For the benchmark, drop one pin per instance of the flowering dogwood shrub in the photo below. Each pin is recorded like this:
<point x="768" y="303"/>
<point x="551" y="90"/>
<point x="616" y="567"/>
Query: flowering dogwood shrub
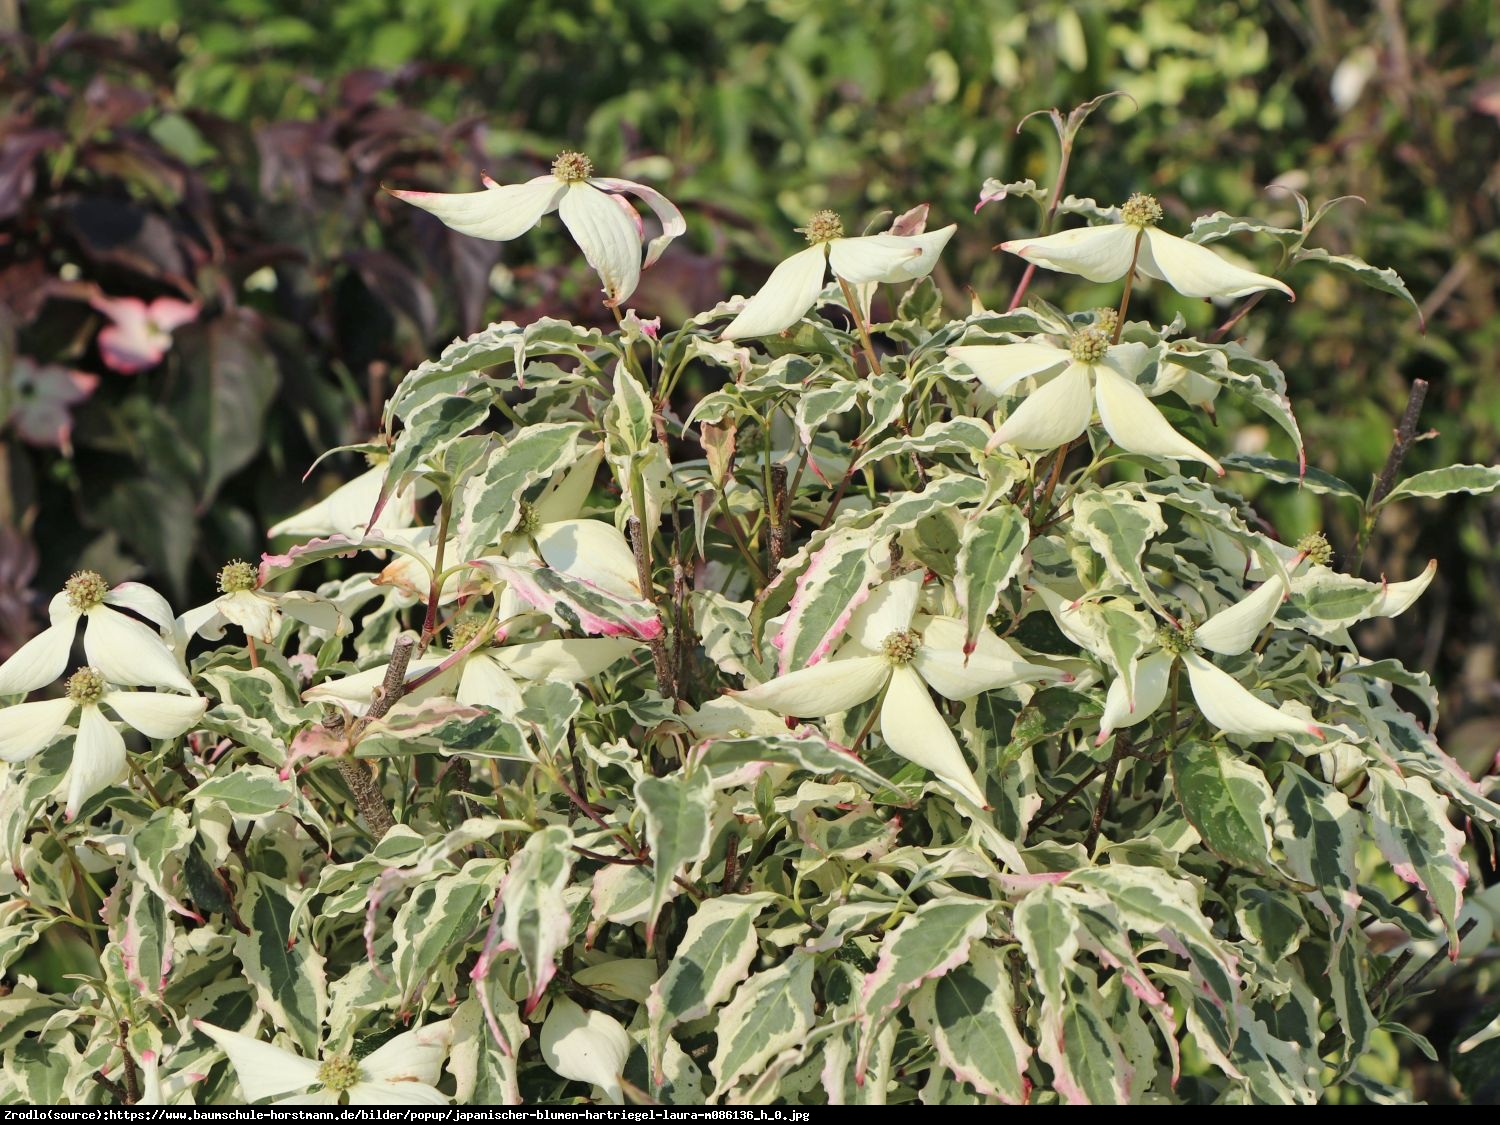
<point x="919" y="716"/>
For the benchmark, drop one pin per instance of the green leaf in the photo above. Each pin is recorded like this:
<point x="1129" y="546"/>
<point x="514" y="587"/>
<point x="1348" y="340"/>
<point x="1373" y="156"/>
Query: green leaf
<point x="1289" y="472"/>
<point x="222" y="407"/>
<point x="713" y="956"/>
<point x="250" y="791"/>
<point x="282" y="964"/>
<point x="927" y="944"/>
<point x="679" y="816"/>
<point x="769" y="1013"/>
<point x="817" y="406"/>
<point x="990" y="555"/>
<point x="837" y="580"/>
<point x="1319" y="836"/>
<point x="1095" y="1070"/>
<point x="537" y="920"/>
<point x="1384" y="280"/>
<point x="970" y="1014"/>
<point x="436" y="922"/>
<point x="429" y="430"/>
<point x="1228" y="801"/>
<point x="1119" y="528"/>
<point x="628" y="427"/>
<point x="490" y="508"/>
<point x="1411" y="826"/>
<point x="1211" y="228"/>
<point x="1477" y="480"/>
<point x="727" y="757"/>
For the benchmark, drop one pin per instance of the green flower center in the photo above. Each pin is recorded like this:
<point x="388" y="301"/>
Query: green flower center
<point x="86" y="686"/>
<point x="824" y="226"/>
<point x="85" y="590"/>
<point x="572" y="167"/>
<point x="901" y="647"/>
<point x="1141" y="210"/>
<point x="339" y="1073"/>
<point x="237" y="577"/>
<point x="1178" y="642"/>
<point x="1088" y="345"/>
<point x="1316" y="547"/>
<point x="462" y="632"/>
<point x="529" y="522"/>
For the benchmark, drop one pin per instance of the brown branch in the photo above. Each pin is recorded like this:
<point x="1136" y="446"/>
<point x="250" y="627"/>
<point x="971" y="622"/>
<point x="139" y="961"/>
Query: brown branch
<point x="776" y="502"/>
<point x="1406" y="434"/>
<point x="661" y="659"/>
<point x="363" y="786"/>
<point x="1121" y="747"/>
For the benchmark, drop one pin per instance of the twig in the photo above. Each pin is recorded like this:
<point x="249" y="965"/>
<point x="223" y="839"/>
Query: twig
<point x="363" y="787"/>
<point x="1406" y="434"/>
<point x="777" y="503"/>
<point x="1056" y="806"/>
<point x="660" y="658"/>
<point x="864" y="332"/>
<point x="1106" y="793"/>
<point x="1238" y="315"/>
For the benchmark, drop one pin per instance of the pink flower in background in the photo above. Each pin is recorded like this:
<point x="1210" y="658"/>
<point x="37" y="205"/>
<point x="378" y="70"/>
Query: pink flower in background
<point x="37" y="399"/>
<point x="141" y="333"/>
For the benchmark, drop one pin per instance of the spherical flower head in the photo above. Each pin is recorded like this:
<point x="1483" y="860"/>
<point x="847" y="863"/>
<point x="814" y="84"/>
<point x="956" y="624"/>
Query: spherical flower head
<point x="824" y="226"/>
<point x="1107" y="320"/>
<point x="460" y="633"/>
<point x="86" y="686"/>
<point x="572" y="167"/>
<point x="901" y="647"/>
<point x="237" y="577"/>
<point x="339" y="1073"/>
<point x="1316" y="548"/>
<point x="1141" y="210"/>
<point x="85" y="590"/>
<point x="1088" y="345"/>
<point x="1178" y="641"/>
<point x="529" y="522"/>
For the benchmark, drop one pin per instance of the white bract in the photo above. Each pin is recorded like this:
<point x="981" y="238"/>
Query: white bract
<point x="1137" y="694"/>
<point x="895" y="650"/>
<point x="99" y="760"/>
<point x="607" y="229"/>
<point x="487" y="674"/>
<point x="1071" y="382"/>
<point x="125" y="650"/>
<point x="402" y="1071"/>
<point x="586" y="1046"/>
<point x="794" y="285"/>
<point x="256" y="611"/>
<point x="1106" y="253"/>
<point x="346" y="510"/>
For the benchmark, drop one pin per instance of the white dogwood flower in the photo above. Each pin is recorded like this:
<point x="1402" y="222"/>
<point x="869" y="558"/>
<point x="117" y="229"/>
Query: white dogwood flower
<point x="1104" y="253"/>
<point x="607" y="229"/>
<point x="1223" y="700"/>
<point x="125" y="650"/>
<point x="794" y="285"/>
<point x="27" y="729"/>
<point x="403" y="1071"/>
<point x="892" y="649"/>
<point x="487" y="675"/>
<point x="256" y="611"/>
<point x="1072" y="381"/>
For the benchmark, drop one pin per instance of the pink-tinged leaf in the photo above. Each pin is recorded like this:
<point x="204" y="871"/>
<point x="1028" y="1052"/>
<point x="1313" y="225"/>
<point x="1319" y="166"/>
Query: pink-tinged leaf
<point x="314" y="741"/>
<point x="837" y="580"/>
<point x="1411" y="827"/>
<point x="579" y="605"/>
<point x="536" y="918"/>
<point x="910" y="222"/>
<point x="933" y="941"/>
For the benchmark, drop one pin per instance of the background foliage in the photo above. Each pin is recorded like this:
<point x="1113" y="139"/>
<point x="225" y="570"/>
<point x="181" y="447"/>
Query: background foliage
<point x="235" y="161"/>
